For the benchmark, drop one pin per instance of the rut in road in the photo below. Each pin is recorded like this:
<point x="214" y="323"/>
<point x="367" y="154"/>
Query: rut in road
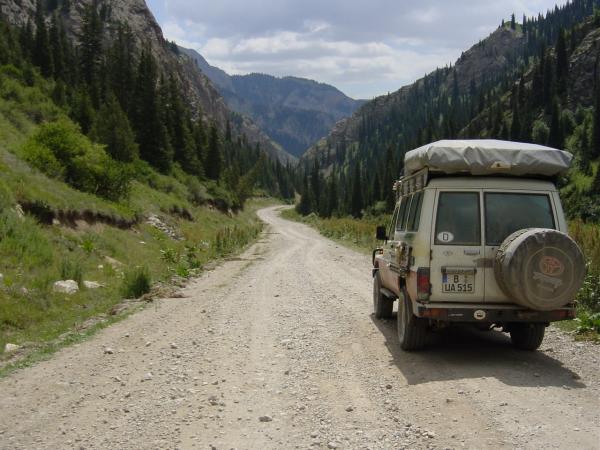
<point x="278" y="349"/>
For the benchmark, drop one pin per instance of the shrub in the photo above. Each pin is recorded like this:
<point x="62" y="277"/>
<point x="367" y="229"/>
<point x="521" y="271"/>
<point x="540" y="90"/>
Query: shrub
<point x="136" y="282"/>
<point x="59" y="150"/>
<point x="588" y="323"/>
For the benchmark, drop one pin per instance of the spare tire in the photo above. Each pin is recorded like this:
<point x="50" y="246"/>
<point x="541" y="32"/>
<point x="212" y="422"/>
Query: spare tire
<point x="539" y="268"/>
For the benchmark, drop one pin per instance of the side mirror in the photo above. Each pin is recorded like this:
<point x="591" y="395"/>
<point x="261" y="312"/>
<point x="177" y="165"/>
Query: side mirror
<point x="381" y="233"/>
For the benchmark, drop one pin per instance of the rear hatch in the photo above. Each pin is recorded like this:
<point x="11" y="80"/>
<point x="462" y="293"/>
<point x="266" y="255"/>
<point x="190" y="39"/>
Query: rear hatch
<point x="469" y="225"/>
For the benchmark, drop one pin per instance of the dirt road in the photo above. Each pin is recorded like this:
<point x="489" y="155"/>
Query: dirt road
<point x="278" y="349"/>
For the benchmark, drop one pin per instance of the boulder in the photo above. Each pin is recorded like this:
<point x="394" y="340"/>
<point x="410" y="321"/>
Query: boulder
<point x="66" y="287"/>
<point x="10" y="348"/>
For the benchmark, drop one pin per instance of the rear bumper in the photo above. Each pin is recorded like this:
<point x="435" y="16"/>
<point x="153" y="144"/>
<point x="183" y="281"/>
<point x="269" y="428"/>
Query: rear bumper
<point x="457" y="312"/>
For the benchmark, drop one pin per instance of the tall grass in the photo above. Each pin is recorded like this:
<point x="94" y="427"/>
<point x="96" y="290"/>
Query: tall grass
<point x="588" y="237"/>
<point x="136" y="282"/>
<point x="359" y="233"/>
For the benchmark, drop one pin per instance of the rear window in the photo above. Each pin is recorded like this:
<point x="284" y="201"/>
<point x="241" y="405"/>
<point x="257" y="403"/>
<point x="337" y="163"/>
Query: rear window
<point x="507" y="213"/>
<point x="458" y="219"/>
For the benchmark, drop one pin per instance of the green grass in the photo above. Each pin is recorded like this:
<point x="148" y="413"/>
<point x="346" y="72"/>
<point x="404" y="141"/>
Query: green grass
<point x="33" y="257"/>
<point x="359" y="234"/>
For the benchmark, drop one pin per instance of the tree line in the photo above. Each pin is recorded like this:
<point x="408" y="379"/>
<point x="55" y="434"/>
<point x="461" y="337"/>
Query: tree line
<point x="122" y="98"/>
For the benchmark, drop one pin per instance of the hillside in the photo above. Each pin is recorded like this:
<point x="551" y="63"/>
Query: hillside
<point x="532" y="71"/>
<point x="294" y="112"/>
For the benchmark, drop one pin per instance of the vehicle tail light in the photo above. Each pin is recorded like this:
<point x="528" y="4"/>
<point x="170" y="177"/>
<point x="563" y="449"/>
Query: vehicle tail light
<point x="423" y="284"/>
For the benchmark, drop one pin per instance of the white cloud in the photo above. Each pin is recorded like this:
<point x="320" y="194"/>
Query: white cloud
<point x="364" y="47"/>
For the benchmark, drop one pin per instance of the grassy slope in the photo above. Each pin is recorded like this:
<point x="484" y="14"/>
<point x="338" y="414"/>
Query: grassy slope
<point x="33" y="256"/>
<point x="359" y="235"/>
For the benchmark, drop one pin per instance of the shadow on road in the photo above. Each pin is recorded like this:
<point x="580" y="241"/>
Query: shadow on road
<point x="463" y="353"/>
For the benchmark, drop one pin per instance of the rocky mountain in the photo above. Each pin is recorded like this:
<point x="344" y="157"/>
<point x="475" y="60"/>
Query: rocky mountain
<point x="200" y="92"/>
<point x="295" y="112"/>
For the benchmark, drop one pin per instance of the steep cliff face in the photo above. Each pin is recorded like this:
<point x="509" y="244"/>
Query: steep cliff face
<point x="294" y="112"/>
<point x="479" y="64"/>
<point x="584" y="70"/>
<point x="200" y="92"/>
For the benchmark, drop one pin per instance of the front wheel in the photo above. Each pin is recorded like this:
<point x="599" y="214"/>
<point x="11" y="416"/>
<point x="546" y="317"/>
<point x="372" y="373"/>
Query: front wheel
<point x="527" y="336"/>
<point x="412" y="331"/>
<point x="382" y="305"/>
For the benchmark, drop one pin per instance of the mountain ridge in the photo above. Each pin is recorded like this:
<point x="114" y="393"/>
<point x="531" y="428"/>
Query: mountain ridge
<point x="294" y="111"/>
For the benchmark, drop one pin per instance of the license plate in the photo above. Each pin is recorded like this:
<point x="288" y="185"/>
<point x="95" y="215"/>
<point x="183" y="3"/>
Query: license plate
<point x="458" y="283"/>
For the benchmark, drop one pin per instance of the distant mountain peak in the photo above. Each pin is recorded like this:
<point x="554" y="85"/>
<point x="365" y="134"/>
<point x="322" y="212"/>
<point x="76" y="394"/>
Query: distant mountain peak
<point x="295" y="112"/>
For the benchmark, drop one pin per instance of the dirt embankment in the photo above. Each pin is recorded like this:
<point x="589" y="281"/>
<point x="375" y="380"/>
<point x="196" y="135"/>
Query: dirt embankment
<point x="278" y="349"/>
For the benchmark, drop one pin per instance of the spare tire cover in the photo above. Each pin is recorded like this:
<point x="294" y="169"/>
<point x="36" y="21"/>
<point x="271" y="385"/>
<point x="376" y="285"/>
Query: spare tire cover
<point x="539" y="268"/>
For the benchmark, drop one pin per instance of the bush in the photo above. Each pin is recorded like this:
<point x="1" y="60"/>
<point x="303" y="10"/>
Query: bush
<point x="136" y="283"/>
<point x="59" y="150"/>
<point x="588" y="323"/>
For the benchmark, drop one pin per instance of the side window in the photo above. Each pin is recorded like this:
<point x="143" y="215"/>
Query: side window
<point x="403" y="208"/>
<point x="392" y="226"/>
<point x="414" y="217"/>
<point x="458" y="219"/>
<point x="403" y="217"/>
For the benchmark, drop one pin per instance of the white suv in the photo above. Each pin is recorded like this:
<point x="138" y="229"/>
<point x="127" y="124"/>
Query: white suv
<point x="481" y="242"/>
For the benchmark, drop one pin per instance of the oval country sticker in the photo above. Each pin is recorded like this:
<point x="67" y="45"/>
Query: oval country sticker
<point x="551" y="266"/>
<point x="445" y="237"/>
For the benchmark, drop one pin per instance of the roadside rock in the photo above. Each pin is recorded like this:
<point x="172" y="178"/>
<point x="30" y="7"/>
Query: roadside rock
<point x="66" y="287"/>
<point x="11" y="348"/>
<point x="92" y="285"/>
<point x="265" y="419"/>
<point x="157" y="223"/>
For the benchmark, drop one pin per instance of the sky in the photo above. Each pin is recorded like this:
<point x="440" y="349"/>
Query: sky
<point x="363" y="47"/>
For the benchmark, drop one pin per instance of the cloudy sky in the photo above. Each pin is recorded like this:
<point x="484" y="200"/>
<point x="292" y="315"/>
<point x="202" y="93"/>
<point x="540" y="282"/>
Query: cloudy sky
<point x="363" y="47"/>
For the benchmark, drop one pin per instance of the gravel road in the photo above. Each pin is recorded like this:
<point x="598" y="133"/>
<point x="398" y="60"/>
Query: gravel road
<point x="278" y="349"/>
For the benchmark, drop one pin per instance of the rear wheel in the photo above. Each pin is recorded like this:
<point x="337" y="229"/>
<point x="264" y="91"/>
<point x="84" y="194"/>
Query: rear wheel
<point x="412" y="331"/>
<point x="382" y="305"/>
<point x="527" y="336"/>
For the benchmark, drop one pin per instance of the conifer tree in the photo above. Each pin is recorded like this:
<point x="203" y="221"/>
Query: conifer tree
<point x="332" y="197"/>
<point x="150" y="129"/>
<point x="562" y="63"/>
<point x="304" y="206"/>
<point x="56" y="49"/>
<point x="42" y="55"/>
<point x="90" y="48"/>
<point x="556" y="138"/>
<point x="513" y="23"/>
<point x="214" y="162"/>
<point x="595" y="144"/>
<point x="112" y="129"/>
<point x="356" y="201"/>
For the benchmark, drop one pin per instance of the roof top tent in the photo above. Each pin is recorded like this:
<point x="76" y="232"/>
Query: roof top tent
<point x="487" y="157"/>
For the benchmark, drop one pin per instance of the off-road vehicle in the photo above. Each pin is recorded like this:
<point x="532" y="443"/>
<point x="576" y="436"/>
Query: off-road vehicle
<point x="478" y="236"/>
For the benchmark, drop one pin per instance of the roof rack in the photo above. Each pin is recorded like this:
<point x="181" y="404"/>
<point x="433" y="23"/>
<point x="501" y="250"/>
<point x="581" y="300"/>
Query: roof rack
<point x="412" y="183"/>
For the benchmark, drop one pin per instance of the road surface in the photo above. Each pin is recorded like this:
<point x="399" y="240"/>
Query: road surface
<point x="278" y="349"/>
